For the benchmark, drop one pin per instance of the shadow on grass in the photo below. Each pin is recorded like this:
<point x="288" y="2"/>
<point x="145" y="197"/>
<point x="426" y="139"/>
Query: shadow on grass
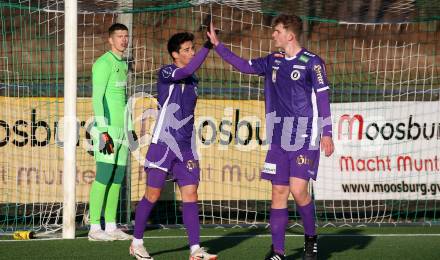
<point x="343" y="240"/>
<point x="219" y="244"/>
<point x="328" y="243"/>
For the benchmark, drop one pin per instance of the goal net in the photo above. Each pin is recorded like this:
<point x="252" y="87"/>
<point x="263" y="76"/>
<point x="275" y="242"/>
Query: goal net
<point x="382" y="60"/>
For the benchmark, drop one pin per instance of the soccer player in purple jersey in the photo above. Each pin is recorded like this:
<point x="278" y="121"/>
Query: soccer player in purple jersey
<point x="172" y="149"/>
<point x="297" y="122"/>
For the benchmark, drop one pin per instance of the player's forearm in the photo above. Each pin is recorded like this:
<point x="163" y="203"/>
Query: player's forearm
<point x="324" y="113"/>
<point x="194" y="64"/>
<point x="100" y="76"/>
<point x="238" y="63"/>
<point x="129" y="120"/>
<point x="98" y="108"/>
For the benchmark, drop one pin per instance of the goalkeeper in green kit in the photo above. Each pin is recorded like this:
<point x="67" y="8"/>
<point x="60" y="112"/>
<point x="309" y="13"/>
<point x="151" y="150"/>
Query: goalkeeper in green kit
<point x="112" y="134"/>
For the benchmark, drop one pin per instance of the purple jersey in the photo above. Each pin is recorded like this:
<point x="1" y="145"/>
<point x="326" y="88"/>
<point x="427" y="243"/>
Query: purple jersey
<point x="296" y="92"/>
<point x="177" y="97"/>
<point x="290" y="88"/>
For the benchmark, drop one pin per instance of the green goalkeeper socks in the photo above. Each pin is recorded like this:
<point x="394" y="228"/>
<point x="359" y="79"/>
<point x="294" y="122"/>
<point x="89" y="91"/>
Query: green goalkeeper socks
<point x="113" y="194"/>
<point x="108" y="179"/>
<point x="97" y="195"/>
<point x="112" y="203"/>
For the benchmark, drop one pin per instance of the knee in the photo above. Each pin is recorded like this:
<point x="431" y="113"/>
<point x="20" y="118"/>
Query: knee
<point x="189" y="196"/>
<point x="119" y="174"/>
<point x="152" y="194"/>
<point x="279" y="197"/>
<point x="301" y="197"/>
<point x="278" y="193"/>
<point x="104" y="172"/>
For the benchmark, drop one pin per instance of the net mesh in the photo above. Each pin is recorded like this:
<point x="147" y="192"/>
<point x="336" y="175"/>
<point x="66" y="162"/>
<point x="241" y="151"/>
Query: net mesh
<point x="381" y="60"/>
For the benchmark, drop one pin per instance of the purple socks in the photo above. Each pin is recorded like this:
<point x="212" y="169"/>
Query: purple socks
<point x="278" y="223"/>
<point x="143" y="211"/>
<point x="191" y="222"/>
<point x="307" y="213"/>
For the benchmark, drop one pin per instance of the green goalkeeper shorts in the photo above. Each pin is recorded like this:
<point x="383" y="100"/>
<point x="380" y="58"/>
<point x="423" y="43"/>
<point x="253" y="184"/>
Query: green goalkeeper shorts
<point x="120" y="147"/>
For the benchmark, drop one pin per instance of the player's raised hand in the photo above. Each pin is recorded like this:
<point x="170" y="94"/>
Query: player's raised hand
<point x="208" y="44"/>
<point x="327" y="145"/>
<point x="212" y="35"/>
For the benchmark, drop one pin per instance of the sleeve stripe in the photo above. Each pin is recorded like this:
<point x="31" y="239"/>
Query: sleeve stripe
<point x="322" y="89"/>
<point x="159" y="123"/>
<point x="314" y="137"/>
<point x="174" y="72"/>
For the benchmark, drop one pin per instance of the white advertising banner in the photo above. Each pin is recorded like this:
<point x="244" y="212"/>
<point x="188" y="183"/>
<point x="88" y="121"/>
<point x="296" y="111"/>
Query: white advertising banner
<point x="384" y="150"/>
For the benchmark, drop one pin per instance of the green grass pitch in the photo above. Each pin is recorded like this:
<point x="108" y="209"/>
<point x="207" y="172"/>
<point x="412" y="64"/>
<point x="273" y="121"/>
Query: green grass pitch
<point x="243" y="243"/>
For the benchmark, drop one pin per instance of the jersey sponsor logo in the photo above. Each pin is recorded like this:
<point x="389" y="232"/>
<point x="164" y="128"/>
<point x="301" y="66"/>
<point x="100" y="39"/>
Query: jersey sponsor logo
<point x="269" y="168"/>
<point x="318" y="71"/>
<point x="274" y="73"/>
<point x="277" y="62"/>
<point x="309" y="54"/>
<point x="120" y="84"/>
<point x="301" y="67"/>
<point x="304" y="58"/>
<point x="167" y="72"/>
<point x="295" y="75"/>
<point x="303" y="160"/>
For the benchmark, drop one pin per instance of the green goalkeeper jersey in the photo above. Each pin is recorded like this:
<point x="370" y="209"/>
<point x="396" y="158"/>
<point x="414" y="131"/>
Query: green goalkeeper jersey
<point x="109" y="75"/>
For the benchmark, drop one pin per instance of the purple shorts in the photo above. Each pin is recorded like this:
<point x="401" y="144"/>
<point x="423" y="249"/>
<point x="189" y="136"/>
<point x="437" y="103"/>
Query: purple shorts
<point x="280" y="165"/>
<point x="162" y="162"/>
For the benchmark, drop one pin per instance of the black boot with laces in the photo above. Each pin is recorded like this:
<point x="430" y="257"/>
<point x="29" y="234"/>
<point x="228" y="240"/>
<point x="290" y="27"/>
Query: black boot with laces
<point x="310" y="247"/>
<point x="272" y="255"/>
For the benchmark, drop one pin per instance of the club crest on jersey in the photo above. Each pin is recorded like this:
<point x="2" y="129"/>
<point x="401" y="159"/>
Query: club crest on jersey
<point x="166" y="72"/>
<point x="192" y="164"/>
<point x="295" y="75"/>
<point x="274" y="73"/>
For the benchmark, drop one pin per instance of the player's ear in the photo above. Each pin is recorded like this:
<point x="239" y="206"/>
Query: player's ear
<point x="175" y="55"/>
<point x="292" y="36"/>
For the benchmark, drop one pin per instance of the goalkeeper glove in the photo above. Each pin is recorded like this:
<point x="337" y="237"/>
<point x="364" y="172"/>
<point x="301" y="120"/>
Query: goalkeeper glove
<point x="105" y="143"/>
<point x="133" y="142"/>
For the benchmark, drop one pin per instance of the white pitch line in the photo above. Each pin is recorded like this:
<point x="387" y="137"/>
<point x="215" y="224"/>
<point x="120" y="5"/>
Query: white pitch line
<point x="251" y="236"/>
